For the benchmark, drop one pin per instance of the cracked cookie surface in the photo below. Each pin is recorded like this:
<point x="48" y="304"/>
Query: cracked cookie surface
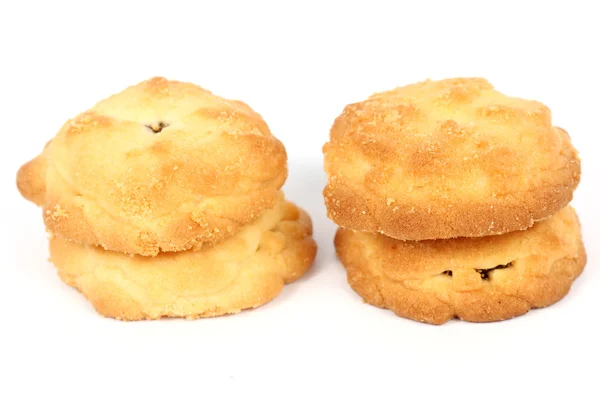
<point x="161" y="166"/>
<point x="474" y="279"/>
<point x="244" y="271"/>
<point x="444" y="159"/>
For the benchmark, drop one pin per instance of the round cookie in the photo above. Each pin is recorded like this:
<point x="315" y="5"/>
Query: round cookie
<point x="482" y="279"/>
<point x="161" y="166"/>
<point x="244" y="271"/>
<point x="445" y="159"/>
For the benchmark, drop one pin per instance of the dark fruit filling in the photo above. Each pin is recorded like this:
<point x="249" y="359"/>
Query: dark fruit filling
<point x="156" y="128"/>
<point x="485" y="273"/>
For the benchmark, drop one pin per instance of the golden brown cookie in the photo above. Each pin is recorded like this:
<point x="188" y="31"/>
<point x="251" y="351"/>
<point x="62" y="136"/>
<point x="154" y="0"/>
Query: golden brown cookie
<point x="244" y="271"/>
<point x="481" y="279"/>
<point x="161" y="166"/>
<point x="444" y="159"/>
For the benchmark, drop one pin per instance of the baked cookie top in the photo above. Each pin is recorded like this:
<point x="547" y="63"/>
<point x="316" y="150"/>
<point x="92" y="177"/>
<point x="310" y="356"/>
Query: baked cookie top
<point x="447" y="158"/>
<point x="161" y="166"/>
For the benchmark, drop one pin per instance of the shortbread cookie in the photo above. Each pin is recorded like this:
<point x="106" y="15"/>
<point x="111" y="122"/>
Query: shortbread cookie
<point x="444" y="159"/>
<point x="475" y="279"/>
<point x="161" y="166"/>
<point x="244" y="271"/>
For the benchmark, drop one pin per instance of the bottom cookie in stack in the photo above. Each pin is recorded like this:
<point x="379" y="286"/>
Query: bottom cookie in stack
<point x="245" y="271"/>
<point x="480" y="279"/>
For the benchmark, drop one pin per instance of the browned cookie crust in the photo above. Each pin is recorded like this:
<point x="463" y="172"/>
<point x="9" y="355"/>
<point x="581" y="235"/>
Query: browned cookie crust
<point x="483" y="279"/>
<point x="161" y="166"/>
<point x="244" y="271"/>
<point x="444" y="159"/>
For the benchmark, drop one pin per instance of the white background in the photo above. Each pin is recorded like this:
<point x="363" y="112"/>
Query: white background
<point x="298" y="65"/>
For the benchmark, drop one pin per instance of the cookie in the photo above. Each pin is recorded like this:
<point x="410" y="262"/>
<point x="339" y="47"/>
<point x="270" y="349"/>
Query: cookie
<point x="244" y="271"/>
<point x="161" y="166"/>
<point x="30" y="179"/>
<point x="444" y="159"/>
<point x="481" y="279"/>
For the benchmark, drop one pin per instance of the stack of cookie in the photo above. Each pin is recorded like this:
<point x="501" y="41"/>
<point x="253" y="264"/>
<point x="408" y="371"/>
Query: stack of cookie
<point x="453" y="202"/>
<point x="164" y="201"/>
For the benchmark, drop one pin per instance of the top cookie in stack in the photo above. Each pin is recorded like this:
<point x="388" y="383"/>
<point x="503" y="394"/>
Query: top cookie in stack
<point x="453" y="202"/>
<point x="160" y="166"/>
<point x="444" y="159"/>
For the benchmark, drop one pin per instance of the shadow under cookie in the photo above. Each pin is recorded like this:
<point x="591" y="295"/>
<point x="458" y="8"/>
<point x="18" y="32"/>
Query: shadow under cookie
<point x="474" y="279"/>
